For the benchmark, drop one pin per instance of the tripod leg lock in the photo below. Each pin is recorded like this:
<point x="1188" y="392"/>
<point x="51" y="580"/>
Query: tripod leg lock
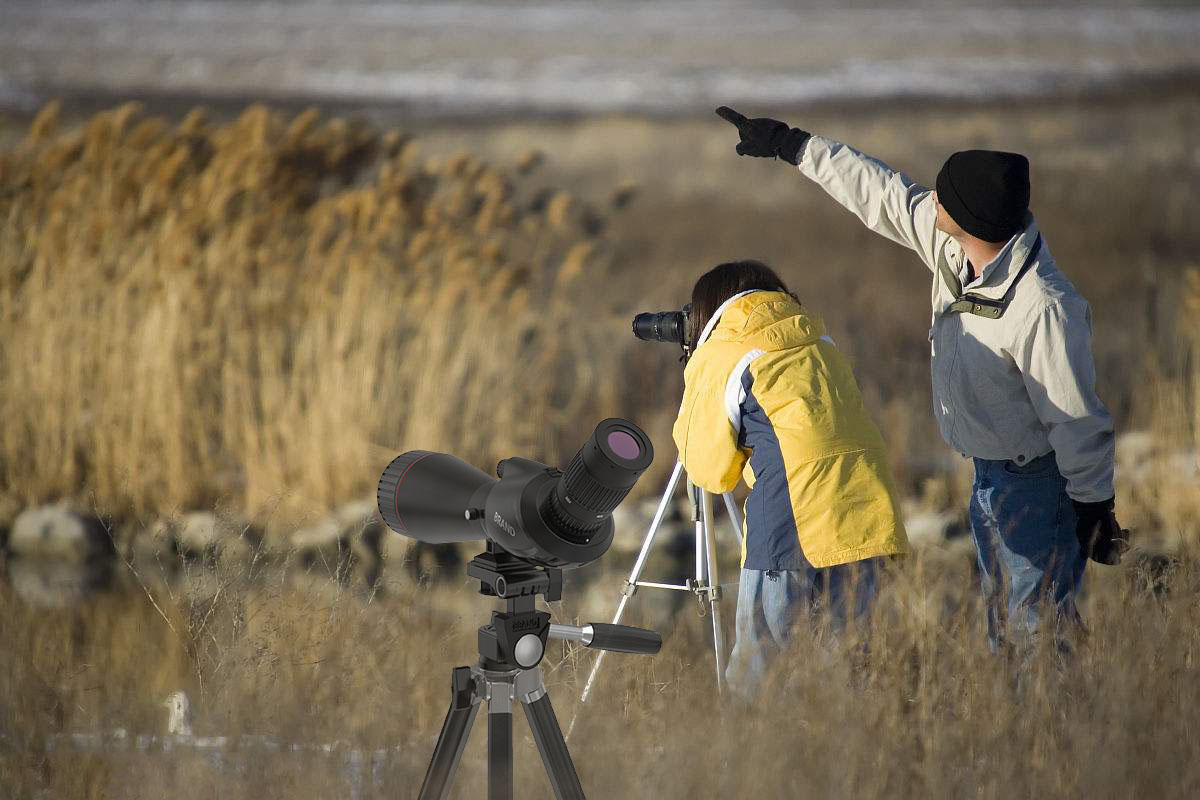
<point x="462" y="689"/>
<point x="704" y="593"/>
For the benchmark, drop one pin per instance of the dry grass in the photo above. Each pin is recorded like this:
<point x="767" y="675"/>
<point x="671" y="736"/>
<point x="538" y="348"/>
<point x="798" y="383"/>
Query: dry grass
<point x="258" y="313"/>
<point x="929" y="713"/>
<point x="237" y="313"/>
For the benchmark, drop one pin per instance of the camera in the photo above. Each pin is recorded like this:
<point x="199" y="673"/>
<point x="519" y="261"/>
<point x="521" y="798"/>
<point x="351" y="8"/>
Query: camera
<point x="663" y="326"/>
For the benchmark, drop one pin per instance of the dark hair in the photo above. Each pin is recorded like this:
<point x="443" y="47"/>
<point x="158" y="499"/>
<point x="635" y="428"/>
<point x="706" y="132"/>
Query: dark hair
<point x="724" y="281"/>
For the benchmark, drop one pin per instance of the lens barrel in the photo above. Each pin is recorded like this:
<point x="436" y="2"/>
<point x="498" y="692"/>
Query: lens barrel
<point x="660" y="326"/>
<point x="598" y="478"/>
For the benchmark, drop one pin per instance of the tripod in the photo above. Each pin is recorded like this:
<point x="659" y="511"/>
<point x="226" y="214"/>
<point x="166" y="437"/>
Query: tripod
<point x="704" y="585"/>
<point x="509" y="650"/>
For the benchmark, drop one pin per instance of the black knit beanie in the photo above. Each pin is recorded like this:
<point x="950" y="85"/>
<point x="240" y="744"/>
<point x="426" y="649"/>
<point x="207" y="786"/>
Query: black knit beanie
<point x="986" y="192"/>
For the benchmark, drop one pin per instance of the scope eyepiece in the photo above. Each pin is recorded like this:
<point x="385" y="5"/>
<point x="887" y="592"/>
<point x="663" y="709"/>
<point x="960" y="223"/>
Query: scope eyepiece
<point x="598" y="478"/>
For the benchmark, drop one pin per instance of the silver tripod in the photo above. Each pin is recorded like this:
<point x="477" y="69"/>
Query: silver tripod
<point x="704" y="585"/>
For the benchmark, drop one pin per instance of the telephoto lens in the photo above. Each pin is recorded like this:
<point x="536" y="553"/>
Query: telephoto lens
<point x="662" y="326"/>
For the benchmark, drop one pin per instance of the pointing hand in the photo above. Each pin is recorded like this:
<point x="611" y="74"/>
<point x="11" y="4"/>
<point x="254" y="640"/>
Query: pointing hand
<point x="765" y="137"/>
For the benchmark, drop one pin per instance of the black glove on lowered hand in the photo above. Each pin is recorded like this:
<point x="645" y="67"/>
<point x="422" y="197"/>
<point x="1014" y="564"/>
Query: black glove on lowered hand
<point x="1100" y="537"/>
<point x="765" y="137"/>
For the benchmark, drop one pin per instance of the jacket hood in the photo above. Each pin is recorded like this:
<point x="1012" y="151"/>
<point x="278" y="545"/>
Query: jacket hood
<point x="767" y="320"/>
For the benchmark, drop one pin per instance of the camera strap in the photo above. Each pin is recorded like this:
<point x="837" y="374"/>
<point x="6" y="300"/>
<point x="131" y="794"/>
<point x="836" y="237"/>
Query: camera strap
<point x="984" y="306"/>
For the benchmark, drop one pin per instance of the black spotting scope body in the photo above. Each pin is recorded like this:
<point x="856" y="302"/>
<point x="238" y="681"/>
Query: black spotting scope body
<point x="534" y="511"/>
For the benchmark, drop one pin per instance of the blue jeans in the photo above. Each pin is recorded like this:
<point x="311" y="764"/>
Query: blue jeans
<point x="771" y="602"/>
<point x="1024" y="528"/>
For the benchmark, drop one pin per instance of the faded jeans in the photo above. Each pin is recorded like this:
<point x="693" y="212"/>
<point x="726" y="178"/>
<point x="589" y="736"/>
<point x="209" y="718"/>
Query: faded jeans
<point x="771" y="602"/>
<point x="1024" y="528"/>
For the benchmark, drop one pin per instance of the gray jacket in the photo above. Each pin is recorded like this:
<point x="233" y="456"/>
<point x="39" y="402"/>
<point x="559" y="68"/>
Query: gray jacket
<point x="1011" y="388"/>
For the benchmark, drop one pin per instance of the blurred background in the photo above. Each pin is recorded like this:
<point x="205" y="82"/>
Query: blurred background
<point x="251" y="251"/>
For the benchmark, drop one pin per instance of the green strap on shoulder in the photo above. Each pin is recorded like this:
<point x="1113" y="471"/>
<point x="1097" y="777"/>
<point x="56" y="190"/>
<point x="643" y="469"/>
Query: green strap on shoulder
<point x="952" y="281"/>
<point x="983" y="306"/>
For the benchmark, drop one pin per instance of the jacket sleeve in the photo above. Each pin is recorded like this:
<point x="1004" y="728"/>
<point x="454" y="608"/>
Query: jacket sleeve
<point x="703" y="432"/>
<point x="887" y="202"/>
<point x="1055" y="359"/>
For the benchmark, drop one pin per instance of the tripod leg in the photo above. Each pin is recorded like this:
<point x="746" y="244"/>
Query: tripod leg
<point x="552" y="746"/>
<point x="634" y="575"/>
<point x="735" y="517"/>
<point x="464" y="703"/>
<point x="700" y="500"/>
<point x="500" y="754"/>
<point x="659" y="513"/>
<point x="710" y="551"/>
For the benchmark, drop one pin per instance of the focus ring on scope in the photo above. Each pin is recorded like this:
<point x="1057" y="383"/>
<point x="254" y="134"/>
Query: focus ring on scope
<point x="568" y="528"/>
<point x="390" y="481"/>
<point x="596" y="498"/>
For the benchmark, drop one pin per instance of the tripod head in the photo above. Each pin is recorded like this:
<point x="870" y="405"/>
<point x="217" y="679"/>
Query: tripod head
<point x="516" y="637"/>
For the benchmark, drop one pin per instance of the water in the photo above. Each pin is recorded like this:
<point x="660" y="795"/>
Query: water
<point x="484" y="58"/>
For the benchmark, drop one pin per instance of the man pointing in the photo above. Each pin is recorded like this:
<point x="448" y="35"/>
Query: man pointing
<point x="1013" y="377"/>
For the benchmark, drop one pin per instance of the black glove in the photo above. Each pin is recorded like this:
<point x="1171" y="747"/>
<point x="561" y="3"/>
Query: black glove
<point x="1100" y="537"/>
<point x="766" y="137"/>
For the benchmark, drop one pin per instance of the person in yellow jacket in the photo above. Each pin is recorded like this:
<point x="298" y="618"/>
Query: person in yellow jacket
<point x="767" y="395"/>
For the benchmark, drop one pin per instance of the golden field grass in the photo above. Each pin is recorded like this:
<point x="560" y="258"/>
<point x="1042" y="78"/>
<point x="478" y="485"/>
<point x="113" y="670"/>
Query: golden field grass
<point x="929" y="713"/>
<point x="267" y="300"/>
<point x="257" y="313"/>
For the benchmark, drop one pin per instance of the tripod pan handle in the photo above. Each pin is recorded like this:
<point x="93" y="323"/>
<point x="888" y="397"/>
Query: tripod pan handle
<point x="624" y="638"/>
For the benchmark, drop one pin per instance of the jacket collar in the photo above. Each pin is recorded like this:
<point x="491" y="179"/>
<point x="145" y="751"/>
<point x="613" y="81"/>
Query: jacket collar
<point x="716" y="317"/>
<point x="998" y="275"/>
<point x="773" y="320"/>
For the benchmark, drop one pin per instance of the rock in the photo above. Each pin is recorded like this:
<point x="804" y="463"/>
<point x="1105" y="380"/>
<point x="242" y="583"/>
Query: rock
<point x="1184" y="466"/>
<point x="1141" y="457"/>
<point x="350" y="538"/>
<point x="1132" y="446"/>
<point x="10" y="508"/>
<point x="437" y="561"/>
<point x="179" y="715"/>
<point x="204" y="535"/>
<point x="55" y="532"/>
<point x="1135" y="454"/>
<point x="394" y="547"/>
<point x="155" y="543"/>
<point x="50" y="583"/>
<point x="357" y="513"/>
<point x="364" y="528"/>
<point x="322" y="545"/>
<point x="931" y="527"/>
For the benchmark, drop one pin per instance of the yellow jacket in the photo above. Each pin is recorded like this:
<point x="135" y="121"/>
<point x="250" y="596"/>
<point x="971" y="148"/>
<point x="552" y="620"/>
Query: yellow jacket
<point x="769" y="394"/>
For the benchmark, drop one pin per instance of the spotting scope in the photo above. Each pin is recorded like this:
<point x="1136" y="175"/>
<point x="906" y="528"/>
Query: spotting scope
<point x="536" y="512"/>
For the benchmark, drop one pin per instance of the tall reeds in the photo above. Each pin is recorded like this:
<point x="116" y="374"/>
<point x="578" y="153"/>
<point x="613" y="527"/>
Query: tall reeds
<point x="260" y="313"/>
